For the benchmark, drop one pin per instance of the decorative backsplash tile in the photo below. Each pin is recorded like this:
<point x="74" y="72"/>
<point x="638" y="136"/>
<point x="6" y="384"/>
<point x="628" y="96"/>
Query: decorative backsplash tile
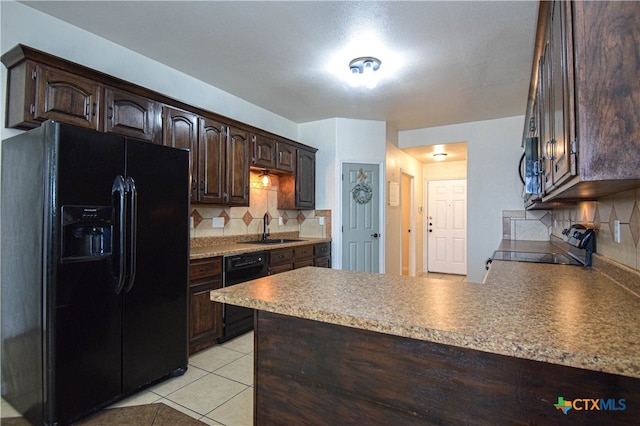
<point x="526" y="225"/>
<point x="600" y="215"/>
<point x="242" y="221"/>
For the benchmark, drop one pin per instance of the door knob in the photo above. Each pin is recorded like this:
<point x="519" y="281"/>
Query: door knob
<point x="376" y="235"/>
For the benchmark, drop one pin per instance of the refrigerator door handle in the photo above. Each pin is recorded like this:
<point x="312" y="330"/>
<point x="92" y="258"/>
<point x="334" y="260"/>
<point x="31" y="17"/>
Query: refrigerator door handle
<point x="120" y="208"/>
<point x="130" y="185"/>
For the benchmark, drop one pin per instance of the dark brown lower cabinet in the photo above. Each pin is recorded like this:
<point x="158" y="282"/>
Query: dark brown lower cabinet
<point x="314" y="373"/>
<point x="205" y="316"/>
<point x="289" y="258"/>
<point x="322" y="255"/>
<point x="280" y="260"/>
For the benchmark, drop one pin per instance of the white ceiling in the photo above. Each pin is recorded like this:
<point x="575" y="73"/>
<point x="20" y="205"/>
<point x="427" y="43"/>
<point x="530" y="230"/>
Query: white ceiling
<point x="456" y="61"/>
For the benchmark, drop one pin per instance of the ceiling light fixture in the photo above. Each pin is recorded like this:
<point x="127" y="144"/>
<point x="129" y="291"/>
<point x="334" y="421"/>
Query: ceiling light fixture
<point x="439" y="156"/>
<point x="363" y="71"/>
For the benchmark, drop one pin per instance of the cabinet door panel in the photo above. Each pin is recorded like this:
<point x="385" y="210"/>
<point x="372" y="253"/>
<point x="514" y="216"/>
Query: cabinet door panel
<point x="306" y="180"/>
<point x="562" y="92"/>
<point x="129" y="115"/>
<point x="237" y="167"/>
<point x="211" y="155"/>
<point x="205" y="316"/>
<point x="286" y="159"/>
<point x="67" y="98"/>
<point x="179" y="130"/>
<point x="264" y="152"/>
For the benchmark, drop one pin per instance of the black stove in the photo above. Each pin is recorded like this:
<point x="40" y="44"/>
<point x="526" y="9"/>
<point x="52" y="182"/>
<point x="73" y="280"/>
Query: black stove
<point x="581" y="242"/>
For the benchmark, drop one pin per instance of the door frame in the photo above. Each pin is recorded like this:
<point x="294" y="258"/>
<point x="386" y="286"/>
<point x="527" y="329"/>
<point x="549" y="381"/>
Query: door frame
<point x="412" y="222"/>
<point x="381" y="214"/>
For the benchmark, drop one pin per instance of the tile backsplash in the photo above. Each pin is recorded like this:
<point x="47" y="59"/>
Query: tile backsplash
<point x="601" y="214"/>
<point x="219" y="221"/>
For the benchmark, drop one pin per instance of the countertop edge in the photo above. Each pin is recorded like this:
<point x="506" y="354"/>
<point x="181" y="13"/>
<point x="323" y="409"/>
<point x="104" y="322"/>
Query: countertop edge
<point x="479" y="342"/>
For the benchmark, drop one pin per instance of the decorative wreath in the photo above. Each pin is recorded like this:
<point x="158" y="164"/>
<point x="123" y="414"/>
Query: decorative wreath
<point x="362" y="193"/>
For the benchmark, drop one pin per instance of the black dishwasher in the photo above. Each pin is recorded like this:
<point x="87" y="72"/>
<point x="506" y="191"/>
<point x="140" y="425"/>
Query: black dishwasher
<point x="239" y="268"/>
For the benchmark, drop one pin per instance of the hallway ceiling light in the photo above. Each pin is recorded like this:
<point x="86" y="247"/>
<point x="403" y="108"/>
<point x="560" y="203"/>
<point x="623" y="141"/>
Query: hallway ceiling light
<point x="439" y="156"/>
<point x="363" y="71"/>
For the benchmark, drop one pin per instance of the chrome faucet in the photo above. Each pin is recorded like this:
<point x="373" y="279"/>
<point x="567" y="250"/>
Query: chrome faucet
<point x="265" y="223"/>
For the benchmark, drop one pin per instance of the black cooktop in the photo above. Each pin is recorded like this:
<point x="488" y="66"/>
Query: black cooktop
<point x="520" y="256"/>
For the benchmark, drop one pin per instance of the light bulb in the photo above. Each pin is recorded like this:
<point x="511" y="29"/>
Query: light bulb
<point x="354" y="78"/>
<point x="265" y="180"/>
<point x="367" y="75"/>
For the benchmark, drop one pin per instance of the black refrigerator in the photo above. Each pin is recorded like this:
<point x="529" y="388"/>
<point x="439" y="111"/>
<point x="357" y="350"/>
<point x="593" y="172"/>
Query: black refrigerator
<point x="94" y="268"/>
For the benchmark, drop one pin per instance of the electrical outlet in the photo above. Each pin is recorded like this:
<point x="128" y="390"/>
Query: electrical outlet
<point x="280" y="221"/>
<point x="616" y="232"/>
<point x="321" y="220"/>
<point x="217" y="222"/>
<point x="191" y="222"/>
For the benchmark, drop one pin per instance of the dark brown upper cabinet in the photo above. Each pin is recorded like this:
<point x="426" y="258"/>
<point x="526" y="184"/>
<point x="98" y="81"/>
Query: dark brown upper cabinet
<point x="180" y="130"/>
<point x="298" y="191"/>
<point x="285" y="157"/>
<point x="38" y="92"/>
<point x="273" y="154"/>
<point x="238" y="155"/>
<point x="264" y="151"/>
<point x="41" y="86"/>
<point x="212" y="149"/>
<point x="219" y="156"/>
<point x="584" y="97"/>
<point x="131" y="115"/>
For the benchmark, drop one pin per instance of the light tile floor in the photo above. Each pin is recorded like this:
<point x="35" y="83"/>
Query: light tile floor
<point x="217" y="388"/>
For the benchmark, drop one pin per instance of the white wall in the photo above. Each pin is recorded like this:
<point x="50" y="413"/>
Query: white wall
<point x="23" y="25"/>
<point x="341" y="140"/>
<point x="397" y="162"/>
<point x="493" y="184"/>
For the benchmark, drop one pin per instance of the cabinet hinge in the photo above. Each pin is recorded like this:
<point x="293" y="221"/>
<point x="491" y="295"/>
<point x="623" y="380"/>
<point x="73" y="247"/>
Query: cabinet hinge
<point x="574" y="147"/>
<point x="34" y="74"/>
<point x="32" y="109"/>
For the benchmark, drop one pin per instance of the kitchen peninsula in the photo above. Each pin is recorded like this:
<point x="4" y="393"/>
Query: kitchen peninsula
<point x="344" y="347"/>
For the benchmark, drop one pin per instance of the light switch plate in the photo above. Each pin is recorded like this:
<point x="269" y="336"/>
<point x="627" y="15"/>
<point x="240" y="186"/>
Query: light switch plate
<point x="217" y="222"/>
<point x="616" y="232"/>
<point x="321" y="220"/>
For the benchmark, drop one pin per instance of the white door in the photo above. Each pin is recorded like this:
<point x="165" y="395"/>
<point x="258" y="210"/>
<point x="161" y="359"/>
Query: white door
<point x="447" y="226"/>
<point x="360" y="217"/>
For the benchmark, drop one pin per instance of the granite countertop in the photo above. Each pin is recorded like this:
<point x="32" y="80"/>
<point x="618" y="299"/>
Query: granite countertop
<point x="560" y="314"/>
<point x="232" y="247"/>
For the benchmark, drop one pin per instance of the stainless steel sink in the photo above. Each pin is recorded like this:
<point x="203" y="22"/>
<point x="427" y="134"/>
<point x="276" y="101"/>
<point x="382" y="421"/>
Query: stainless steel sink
<point x="271" y="241"/>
